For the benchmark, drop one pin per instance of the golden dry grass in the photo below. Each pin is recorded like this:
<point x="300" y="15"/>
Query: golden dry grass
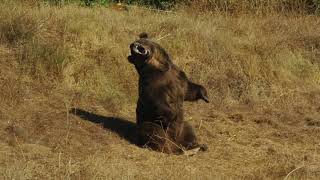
<point x="258" y="7"/>
<point x="68" y="94"/>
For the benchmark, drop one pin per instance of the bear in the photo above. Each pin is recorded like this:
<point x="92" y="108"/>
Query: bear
<point x="163" y="88"/>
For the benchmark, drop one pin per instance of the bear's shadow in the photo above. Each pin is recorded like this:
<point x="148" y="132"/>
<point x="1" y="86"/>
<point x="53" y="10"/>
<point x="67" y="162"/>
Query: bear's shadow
<point x="122" y="127"/>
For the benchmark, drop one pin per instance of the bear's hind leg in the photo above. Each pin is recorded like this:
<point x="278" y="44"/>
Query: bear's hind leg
<point x="157" y="138"/>
<point x="188" y="139"/>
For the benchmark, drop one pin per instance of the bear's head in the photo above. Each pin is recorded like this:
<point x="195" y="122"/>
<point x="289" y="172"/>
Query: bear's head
<point x="148" y="55"/>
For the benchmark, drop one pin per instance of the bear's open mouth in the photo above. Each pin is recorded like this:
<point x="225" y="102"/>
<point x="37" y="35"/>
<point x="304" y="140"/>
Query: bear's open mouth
<point x="139" y="54"/>
<point x="141" y="49"/>
<point x="138" y="49"/>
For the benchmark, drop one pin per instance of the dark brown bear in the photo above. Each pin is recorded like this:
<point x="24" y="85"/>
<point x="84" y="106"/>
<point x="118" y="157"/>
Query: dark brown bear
<point x="162" y="89"/>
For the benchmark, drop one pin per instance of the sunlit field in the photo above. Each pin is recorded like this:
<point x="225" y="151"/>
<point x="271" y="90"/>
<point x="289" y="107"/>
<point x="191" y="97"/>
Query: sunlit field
<point x="68" y="93"/>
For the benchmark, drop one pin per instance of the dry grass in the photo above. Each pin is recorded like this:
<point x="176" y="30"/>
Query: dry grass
<point x="262" y="74"/>
<point x="258" y="7"/>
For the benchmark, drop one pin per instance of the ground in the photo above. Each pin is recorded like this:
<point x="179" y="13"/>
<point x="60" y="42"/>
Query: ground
<point x="68" y="94"/>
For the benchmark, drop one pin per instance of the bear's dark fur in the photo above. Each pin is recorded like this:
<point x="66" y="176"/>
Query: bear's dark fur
<point x="162" y="89"/>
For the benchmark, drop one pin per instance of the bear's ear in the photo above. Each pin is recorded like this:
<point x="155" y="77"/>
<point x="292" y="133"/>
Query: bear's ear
<point x="143" y="35"/>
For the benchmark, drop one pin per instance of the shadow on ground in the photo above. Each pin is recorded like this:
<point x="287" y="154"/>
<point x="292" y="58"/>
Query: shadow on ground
<point x="122" y="127"/>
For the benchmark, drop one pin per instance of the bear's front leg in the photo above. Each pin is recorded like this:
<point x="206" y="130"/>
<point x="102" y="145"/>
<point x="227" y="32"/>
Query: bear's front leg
<point x="195" y="92"/>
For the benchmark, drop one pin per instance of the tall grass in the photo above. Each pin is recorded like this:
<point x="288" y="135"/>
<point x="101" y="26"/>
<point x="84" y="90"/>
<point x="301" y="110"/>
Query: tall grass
<point x="241" y="60"/>
<point x="259" y="6"/>
<point x="225" y="6"/>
